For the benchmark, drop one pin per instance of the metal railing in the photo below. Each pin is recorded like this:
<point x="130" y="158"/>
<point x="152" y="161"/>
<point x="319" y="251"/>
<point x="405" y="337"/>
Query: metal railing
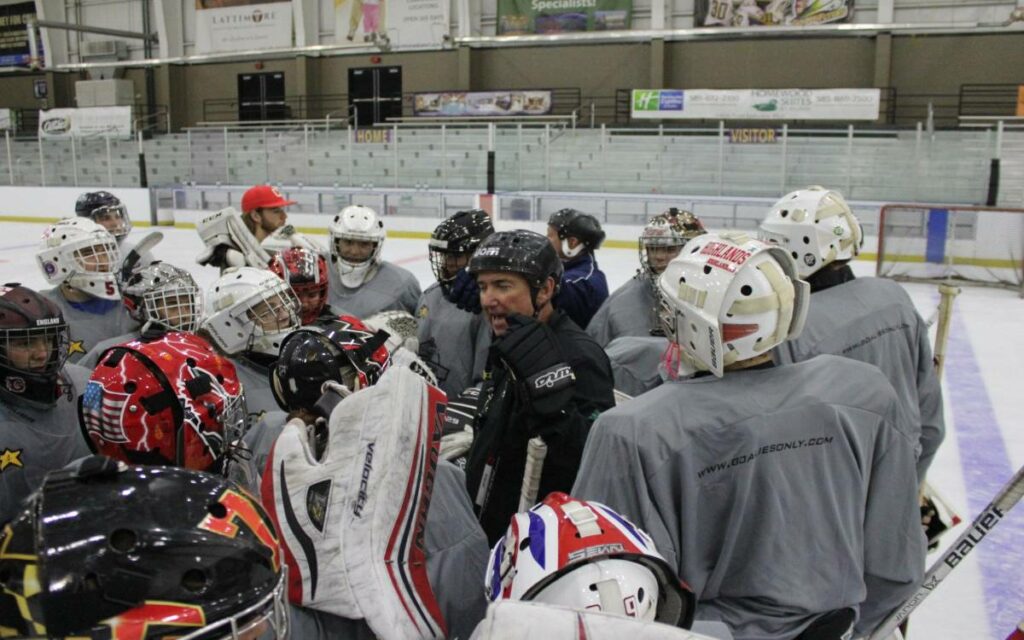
<point x="865" y="163"/>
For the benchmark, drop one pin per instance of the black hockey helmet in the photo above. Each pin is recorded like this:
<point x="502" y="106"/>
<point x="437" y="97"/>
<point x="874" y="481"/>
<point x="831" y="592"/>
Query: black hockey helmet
<point x="106" y="209"/>
<point x="33" y="345"/>
<point x="524" y="252"/>
<point x="576" y="224"/>
<point x="344" y="351"/>
<point x="460" y="233"/>
<point x="106" y="550"/>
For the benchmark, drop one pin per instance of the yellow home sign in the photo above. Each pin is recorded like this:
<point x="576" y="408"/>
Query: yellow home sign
<point x="752" y="136"/>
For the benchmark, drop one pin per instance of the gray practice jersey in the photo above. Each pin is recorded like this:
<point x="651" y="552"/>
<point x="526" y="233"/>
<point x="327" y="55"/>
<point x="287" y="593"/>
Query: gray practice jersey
<point x="89" y="329"/>
<point x="255" y="381"/>
<point x="637" y="363"/>
<point x="452" y="341"/>
<point x="631" y="310"/>
<point x="779" y="494"/>
<point x="873" y="320"/>
<point x="90" y="359"/>
<point x="392" y="288"/>
<point x="35" y="441"/>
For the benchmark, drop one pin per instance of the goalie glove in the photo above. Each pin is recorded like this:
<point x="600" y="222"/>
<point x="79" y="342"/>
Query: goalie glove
<point x="226" y="229"/>
<point x="529" y="350"/>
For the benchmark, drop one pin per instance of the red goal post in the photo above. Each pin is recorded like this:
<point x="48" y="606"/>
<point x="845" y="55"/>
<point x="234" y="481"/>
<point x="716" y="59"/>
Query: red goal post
<point x="943" y="242"/>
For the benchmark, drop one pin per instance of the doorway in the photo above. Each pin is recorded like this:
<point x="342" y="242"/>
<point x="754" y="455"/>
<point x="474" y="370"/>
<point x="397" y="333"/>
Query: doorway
<point x="261" y="97"/>
<point x="376" y="94"/>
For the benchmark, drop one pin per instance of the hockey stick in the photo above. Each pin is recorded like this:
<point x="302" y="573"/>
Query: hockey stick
<point x="1005" y="500"/>
<point x="948" y="293"/>
<point x="536" y="451"/>
<point x="131" y="260"/>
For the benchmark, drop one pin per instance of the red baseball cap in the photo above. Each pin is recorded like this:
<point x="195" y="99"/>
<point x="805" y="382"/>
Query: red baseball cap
<point x="263" y="196"/>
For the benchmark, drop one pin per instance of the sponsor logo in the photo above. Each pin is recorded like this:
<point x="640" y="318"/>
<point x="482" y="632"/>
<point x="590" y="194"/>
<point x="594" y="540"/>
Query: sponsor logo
<point x="809" y="259"/>
<point x="46" y="322"/>
<point x="645" y="100"/>
<point x="317" y="500"/>
<point x="714" y="351"/>
<point x="61" y="124"/>
<point x="597" y="550"/>
<point x="49" y="268"/>
<point x="985" y="523"/>
<point x="725" y="256"/>
<point x="10" y="457"/>
<point x="364" y="482"/>
<point x="15" y="384"/>
<point x="488" y="251"/>
<point x="551" y="378"/>
<point x="837" y="230"/>
<point x="670" y="101"/>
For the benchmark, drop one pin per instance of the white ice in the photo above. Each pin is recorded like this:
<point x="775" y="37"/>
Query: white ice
<point x="992" y="322"/>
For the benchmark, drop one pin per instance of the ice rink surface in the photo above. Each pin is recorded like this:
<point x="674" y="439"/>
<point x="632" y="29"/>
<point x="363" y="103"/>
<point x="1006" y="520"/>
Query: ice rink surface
<point x="984" y="403"/>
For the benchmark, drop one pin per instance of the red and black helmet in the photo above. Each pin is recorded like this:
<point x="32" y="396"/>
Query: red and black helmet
<point x="305" y="271"/>
<point x="104" y="550"/>
<point x="33" y="346"/>
<point x="169" y="401"/>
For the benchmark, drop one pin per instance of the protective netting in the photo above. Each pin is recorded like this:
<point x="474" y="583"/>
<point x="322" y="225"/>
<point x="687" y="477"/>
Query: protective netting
<point x="973" y="245"/>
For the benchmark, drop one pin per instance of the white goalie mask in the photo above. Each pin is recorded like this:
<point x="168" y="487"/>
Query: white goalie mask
<point x="82" y="254"/>
<point x="249" y="309"/>
<point x="361" y="224"/>
<point x="815" y="226"/>
<point x="730" y="298"/>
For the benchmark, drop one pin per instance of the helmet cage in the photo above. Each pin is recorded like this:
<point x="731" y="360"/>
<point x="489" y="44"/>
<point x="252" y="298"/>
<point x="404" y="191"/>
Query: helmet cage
<point x="269" y="614"/>
<point x="164" y="296"/>
<point x="256" y="322"/>
<point x="673" y="228"/>
<point x="88" y="263"/>
<point x="120" y="212"/>
<point x="305" y="271"/>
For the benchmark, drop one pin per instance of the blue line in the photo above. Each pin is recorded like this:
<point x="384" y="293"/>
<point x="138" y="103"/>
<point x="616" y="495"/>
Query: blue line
<point x="986" y="467"/>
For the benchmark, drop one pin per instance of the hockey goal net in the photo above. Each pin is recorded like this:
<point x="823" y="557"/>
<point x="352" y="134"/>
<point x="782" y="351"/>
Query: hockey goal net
<point x="982" y="245"/>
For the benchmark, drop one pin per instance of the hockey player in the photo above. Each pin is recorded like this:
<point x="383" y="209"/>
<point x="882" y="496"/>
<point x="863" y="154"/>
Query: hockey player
<point x="454" y="341"/>
<point x="868" y="319"/>
<point x="169" y="401"/>
<point x="80" y="257"/>
<point x="249" y="312"/>
<point x="814" y="454"/>
<point x="362" y="283"/>
<point x="575" y="237"/>
<point x="105" y="550"/>
<point x="544" y="377"/>
<point x="161" y="298"/>
<point x="342" y="495"/>
<point x="263" y="210"/>
<point x="632" y="310"/>
<point x="38" y="428"/>
<point x="306" y="273"/>
<point x="106" y="210"/>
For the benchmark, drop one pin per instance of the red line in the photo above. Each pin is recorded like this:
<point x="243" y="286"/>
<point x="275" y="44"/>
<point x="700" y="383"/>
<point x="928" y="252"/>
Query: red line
<point x="410" y="259"/>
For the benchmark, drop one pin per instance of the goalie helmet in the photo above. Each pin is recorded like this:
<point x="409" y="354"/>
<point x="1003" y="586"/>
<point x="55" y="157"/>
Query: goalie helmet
<point x="570" y="223"/>
<point x="584" y="555"/>
<point x="360" y="224"/>
<point x="524" y="252"/>
<point x="82" y="254"/>
<point x="107" y="210"/>
<point x="815" y="226"/>
<point x="344" y="351"/>
<point x="664" y="236"/>
<point x="105" y="550"/>
<point x="33" y="346"/>
<point x="454" y="241"/>
<point x="171" y="401"/>
<point x="250" y="310"/>
<point x="163" y="295"/>
<point x="400" y="326"/>
<point x="305" y="272"/>
<point x="730" y="298"/>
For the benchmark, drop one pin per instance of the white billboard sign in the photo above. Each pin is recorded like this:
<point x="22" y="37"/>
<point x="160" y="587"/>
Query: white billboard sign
<point x="756" y="104"/>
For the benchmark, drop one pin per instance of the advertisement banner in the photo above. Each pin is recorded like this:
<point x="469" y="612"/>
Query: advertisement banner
<point x="115" y="122"/>
<point x="392" y="24"/>
<point x="521" y="17"/>
<point x="241" y="25"/>
<point x="14" y="50"/>
<point x="770" y="13"/>
<point x="483" y="103"/>
<point x="756" y="104"/>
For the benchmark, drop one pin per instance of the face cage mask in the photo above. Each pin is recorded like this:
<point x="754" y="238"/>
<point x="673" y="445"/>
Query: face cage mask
<point x="277" y="311"/>
<point x="185" y="299"/>
<point x="644" y="247"/>
<point x="57" y="338"/>
<point x="88" y="257"/>
<point x="124" y="226"/>
<point x="369" y="260"/>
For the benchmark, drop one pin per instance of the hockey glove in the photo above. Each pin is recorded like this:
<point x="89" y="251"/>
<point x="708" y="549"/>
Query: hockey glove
<point x="530" y="351"/>
<point x="464" y="293"/>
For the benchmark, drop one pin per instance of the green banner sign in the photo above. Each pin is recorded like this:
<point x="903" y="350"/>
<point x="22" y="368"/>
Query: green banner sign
<point x="524" y="17"/>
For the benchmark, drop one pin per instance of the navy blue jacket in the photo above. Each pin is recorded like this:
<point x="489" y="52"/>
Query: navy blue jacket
<point x="584" y="289"/>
